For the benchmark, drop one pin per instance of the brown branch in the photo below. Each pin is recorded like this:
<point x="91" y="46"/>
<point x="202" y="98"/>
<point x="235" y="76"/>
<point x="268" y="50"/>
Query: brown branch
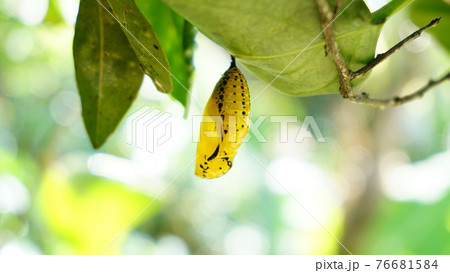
<point x="346" y="75"/>
<point x="383" y="56"/>
<point x="337" y="5"/>
<point x="326" y="16"/>
<point x="364" y="97"/>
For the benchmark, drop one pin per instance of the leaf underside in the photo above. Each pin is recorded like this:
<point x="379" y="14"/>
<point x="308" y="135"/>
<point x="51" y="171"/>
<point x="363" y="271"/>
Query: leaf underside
<point x="268" y="37"/>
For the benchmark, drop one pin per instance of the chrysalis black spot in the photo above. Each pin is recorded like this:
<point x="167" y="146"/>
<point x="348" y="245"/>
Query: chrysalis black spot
<point x="214" y="155"/>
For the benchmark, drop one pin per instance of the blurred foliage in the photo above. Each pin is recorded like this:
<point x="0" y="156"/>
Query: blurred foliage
<point x="87" y="211"/>
<point x="423" y="9"/>
<point x="395" y="223"/>
<point x="380" y="182"/>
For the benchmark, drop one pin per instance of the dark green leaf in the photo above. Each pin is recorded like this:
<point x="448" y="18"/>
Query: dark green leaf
<point x="177" y="38"/>
<point x="381" y="15"/>
<point x="107" y="70"/>
<point x="266" y="36"/>
<point x="423" y="11"/>
<point x="144" y="42"/>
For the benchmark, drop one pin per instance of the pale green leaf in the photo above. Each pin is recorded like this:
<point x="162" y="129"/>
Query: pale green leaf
<point x="268" y="37"/>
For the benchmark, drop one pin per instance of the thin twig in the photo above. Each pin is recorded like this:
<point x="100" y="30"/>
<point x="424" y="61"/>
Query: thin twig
<point x="346" y="75"/>
<point x="383" y="56"/>
<point x="364" y="97"/>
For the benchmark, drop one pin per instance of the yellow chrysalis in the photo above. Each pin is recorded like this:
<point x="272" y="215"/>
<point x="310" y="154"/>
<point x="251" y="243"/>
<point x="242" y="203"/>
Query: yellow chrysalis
<point x="225" y="124"/>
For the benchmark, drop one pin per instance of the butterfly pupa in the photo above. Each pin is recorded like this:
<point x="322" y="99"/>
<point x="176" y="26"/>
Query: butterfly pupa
<point x="225" y="124"/>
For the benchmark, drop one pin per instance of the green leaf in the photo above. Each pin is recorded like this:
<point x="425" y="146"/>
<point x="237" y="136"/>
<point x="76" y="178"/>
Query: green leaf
<point x="266" y="37"/>
<point x="107" y="70"/>
<point x="177" y="38"/>
<point x="145" y="43"/>
<point x="423" y="11"/>
<point x="380" y="16"/>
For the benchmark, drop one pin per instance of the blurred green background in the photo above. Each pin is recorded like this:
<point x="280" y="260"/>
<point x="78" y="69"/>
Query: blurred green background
<point x="380" y="183"/>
